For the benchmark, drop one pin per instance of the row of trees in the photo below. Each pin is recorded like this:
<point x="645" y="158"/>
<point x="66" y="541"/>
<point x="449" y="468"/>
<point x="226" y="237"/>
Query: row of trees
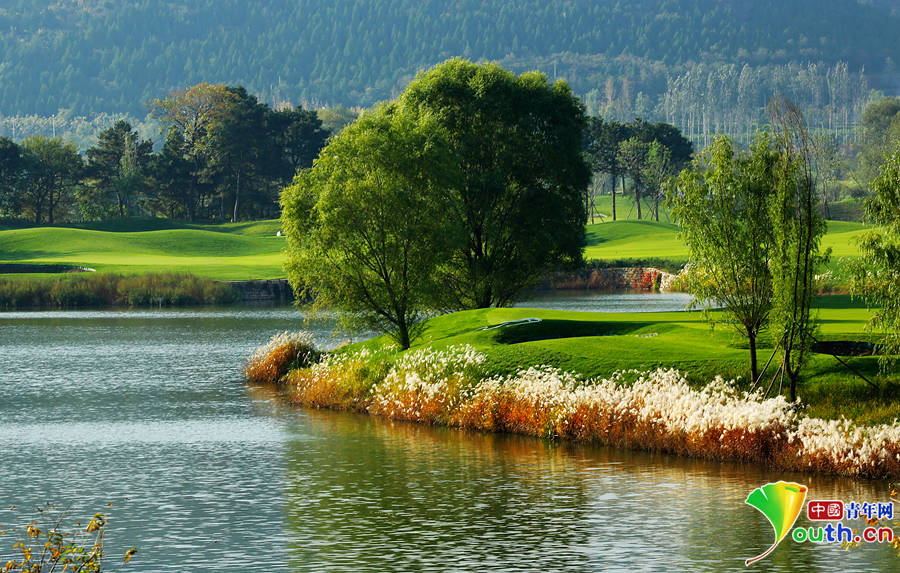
<point x="753" y="224"/>
<point x="646" y="153"/>
<point x="226" y="156"/>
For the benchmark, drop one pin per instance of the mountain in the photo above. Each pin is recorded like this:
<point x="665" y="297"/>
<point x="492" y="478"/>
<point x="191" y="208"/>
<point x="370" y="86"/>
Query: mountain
<point x="108" y="56"/>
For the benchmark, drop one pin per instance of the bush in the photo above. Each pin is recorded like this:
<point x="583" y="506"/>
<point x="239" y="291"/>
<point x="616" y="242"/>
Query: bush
<point x="284" y="351"/>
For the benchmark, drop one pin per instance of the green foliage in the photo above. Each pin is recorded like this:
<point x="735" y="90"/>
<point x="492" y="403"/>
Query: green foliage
<point x="83" y="57"/>
<point x="365" y="225"/>
<point x="516" y="145"/>
<point x="877" y="272"/>
<point x="721" y="204"/>
<point x="52" y="170"/>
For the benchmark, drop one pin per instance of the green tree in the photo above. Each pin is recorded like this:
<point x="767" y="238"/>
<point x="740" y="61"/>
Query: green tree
<point x="880" y="124"/>
<point x="12" y="166"/>
<point x="193" y="113"/>
<point x="633" y="158"/>
<point x="877" y="272"/>
<point x="516" y="143"/>
<point x="302" y="136"/>
<point x="115" y="167"/>
<point x="53" y="169"/>
<point x="797" y="229"/>
<point x="364" y="226"/>
<point x="237" y="144"/>
<point x="721" y="204"/>
<point x="602" y="140"/>
<point x="171" y="176"/>
<point x="657" y="171"/>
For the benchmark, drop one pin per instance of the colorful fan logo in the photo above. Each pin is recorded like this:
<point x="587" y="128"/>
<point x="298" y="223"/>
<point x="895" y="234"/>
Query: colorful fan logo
<point x="781" y="502"/>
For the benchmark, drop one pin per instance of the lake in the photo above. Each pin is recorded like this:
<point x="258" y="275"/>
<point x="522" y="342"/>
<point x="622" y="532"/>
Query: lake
<point x="146" y="410"/>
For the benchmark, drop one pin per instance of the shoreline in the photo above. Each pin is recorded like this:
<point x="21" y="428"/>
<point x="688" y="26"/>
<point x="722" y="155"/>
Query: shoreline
<point x="653" y="410"/>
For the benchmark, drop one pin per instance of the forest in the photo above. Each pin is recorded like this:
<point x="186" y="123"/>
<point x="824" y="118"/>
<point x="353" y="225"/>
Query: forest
<point x="67" y="63"/>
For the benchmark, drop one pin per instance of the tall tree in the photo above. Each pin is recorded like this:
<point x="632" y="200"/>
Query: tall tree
<point x="116" y="164"/>
<point x="53" y="168"/>
<point x="633" y="158"/>
<point x="12" y="166"/>
<point x="364" y="226"/>
<point x="516" y="142"/>
<point x="302" y="136"/>
<point x="171" y="172"/>
<point x="877" y="273"/>
<point x="721" y="204"/>
<point x="602" y="146"/>
<point x="193" y="113"/>
<point x="238" y="143"/>
<point x="797" y="229"/>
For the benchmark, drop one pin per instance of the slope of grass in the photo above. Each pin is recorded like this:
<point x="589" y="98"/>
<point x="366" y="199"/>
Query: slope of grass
<point x="232" y="251"/>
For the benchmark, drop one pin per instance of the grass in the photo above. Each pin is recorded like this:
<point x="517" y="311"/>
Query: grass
<point x="598" y="344"/>
<point x="251" y="250"/>
<point x="230" y="251"/>
<point x="648" y="239"/>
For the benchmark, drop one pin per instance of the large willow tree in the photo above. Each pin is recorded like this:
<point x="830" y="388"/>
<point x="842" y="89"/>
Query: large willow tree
<point x="364" y="226"/>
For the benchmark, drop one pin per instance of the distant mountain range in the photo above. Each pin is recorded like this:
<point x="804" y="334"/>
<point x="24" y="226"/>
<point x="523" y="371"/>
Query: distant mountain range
<point x="110" y="56"/>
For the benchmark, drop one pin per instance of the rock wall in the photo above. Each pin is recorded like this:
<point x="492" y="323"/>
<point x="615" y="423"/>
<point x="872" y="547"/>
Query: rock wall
<point x="615" y="278"/>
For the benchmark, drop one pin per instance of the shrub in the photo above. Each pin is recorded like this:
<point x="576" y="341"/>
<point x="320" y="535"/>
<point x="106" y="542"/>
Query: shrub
<point x="284" y="351"/>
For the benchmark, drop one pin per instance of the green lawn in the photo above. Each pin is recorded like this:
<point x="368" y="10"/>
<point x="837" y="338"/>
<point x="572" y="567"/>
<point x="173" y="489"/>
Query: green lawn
<point x="239" y="251"/>
<point x="598" y="344"/>
<point x="231" y="251"/>
<point x="648" y="239"/>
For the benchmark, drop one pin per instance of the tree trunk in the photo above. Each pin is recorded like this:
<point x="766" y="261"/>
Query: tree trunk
<point x="754" y="368"/>
<point x="237" y="196"/>
<point x="637" y="199"/>
<point x="613" y="193"/>
<point x="121" y="205"/>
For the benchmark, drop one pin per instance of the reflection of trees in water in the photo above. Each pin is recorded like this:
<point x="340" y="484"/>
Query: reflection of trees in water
<point x="368" y="492"/>
<point x="364" y="491"/>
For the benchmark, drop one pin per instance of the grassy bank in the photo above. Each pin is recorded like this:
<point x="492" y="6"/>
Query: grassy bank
<point x="113" y="289"/>
<point x="561" y="377"/>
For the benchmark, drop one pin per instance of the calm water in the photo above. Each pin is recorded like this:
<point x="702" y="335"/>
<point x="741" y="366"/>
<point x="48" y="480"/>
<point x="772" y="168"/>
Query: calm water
<point x="147" y="411"/>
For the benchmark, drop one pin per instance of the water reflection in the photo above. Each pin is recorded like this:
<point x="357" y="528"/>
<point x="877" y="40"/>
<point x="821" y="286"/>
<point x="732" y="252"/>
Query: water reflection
<point x="400" y="496"/>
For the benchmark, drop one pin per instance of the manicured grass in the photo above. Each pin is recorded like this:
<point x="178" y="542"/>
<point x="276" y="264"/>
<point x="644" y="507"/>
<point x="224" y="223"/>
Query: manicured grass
<point x="251" y="250"/>
<point x="598" y="344"/>
<point x="648" y="239"/>
<point x="231" y="251"/>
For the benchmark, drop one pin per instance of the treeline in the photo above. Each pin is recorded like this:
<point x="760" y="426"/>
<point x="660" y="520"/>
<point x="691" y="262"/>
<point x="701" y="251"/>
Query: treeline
<point x="99" y="56"/>
<point x="226" y="156"/>
<point x="709" y="99"/>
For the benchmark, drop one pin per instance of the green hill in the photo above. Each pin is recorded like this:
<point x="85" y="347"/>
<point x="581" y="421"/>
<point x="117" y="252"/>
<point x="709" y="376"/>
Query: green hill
<point x="240" y="251"/>
<point x="229" y="252"/>
<point x="96" y="56"/>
